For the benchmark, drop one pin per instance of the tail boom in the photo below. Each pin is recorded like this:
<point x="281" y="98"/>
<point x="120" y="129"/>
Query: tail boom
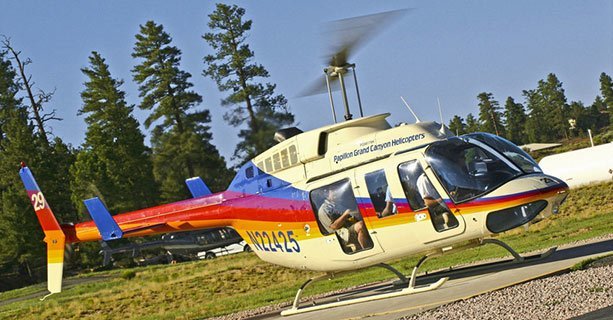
<point x="190" y="214"/>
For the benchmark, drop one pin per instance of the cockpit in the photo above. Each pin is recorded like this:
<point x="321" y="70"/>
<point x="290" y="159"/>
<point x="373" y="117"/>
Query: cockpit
<point x="475" y="164"/>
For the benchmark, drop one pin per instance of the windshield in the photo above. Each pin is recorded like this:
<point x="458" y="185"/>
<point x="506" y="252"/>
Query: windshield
<point x="518" y="156"/>
<point x="466" y="170"/>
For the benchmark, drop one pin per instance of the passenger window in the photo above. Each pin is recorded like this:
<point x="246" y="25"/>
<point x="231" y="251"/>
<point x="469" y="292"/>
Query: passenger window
<point x="420" y="193"/>
<point x="284" y="158"/>
<point x="336" y="211"/>
<point x="380" y="194"/>
<point x="268" y="163"/>
<point x="293" y="155"/>
<point x="277" y="161"/>
<point x="409" y="173"/>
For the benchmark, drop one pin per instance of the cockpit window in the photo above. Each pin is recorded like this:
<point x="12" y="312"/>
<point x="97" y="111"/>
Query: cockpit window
<point x="467" y="171"/>
<point x="518" y="156"/>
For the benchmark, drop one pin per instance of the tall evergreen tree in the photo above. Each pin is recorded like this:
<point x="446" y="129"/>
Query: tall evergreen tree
<point x="472" y="125"/>
<point x="231" y="66"/>
<point x="534" y="128"/>
<point x="114" y="162"/>
<point x="606" y="89"/>
<point x="490" y="116"/>
<point x="515" y="120"/>
<point x="181" y="139"/>
<point x="598" y="111"/>
<point x="19" y="229"/>
<point x="547" y="105"/>
<point x="457" y="125"/>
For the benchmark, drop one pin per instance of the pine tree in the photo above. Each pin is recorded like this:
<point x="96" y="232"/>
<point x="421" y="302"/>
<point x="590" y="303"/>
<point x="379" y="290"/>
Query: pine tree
<point x="515" y="120"/>
<point x="457" y="125"/>
<point x="472" y="125"/>
<point x="20" y="234"/>
<point x="114" y="162"/>
<point x="555" y="107"/>
<point x="598" y="111"/>
<point x="252" y="103"/>
<point x="606" y="89"/>
<point x="490" y="116"/>
<point x="534" y="129"/>
<point x="181" y="139"/>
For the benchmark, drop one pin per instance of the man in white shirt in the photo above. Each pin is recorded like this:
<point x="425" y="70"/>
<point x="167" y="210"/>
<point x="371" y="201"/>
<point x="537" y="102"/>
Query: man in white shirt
<point x="432" y="199"/>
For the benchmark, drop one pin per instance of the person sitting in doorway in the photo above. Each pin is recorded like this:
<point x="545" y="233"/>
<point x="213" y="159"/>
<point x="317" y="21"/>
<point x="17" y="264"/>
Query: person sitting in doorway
<point x="438" y="212"/>
<point x="346" y="223"/>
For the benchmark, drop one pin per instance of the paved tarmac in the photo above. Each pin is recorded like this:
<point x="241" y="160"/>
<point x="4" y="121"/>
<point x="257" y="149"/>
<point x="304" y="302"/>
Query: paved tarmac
<point x="463" y="284"/>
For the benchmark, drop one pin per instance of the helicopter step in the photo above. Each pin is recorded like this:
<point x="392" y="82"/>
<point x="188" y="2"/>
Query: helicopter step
<point x="410" y="288"/>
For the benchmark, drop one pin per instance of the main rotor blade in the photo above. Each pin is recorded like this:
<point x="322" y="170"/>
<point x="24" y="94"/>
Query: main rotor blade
<point x="346" y="35"/>
<point x="319" y="86"/>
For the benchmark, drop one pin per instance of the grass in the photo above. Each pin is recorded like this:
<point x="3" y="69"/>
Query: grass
<point x="232" y="283"/>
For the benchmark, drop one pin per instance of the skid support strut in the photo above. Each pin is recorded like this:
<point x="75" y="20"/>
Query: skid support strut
<point x="516" y="256"/>
<point x="410" y="289"/>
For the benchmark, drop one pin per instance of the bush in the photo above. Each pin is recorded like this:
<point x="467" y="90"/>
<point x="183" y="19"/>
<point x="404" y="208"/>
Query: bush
<point x="130" y="274"/>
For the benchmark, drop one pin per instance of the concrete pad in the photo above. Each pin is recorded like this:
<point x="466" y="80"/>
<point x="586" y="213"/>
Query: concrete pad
<point x="463" y="284"/>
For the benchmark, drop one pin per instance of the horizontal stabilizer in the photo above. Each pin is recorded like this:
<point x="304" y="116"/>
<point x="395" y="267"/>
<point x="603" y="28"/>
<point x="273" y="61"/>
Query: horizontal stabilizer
<point x="197" y="187"/>
<point x="108" y="228"/>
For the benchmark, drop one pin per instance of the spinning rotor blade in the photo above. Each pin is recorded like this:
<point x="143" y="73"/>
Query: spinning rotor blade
<point x="319" y="86"/>
<point x="347" y="35"/>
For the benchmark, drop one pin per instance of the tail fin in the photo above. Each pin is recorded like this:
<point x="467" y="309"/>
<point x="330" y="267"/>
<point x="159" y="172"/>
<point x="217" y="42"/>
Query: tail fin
<point x="54" y="236"/>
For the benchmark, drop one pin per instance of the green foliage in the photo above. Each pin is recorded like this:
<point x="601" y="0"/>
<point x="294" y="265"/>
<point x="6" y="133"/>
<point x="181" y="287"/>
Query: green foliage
<point x="180" y="140"/>
<point x="19" y="228"/>
<point x="490" y="116"/>
<point x="128" y="274"/>
<point x="606" y="90"/>
<point x="515" y="119"/>
<point x="471" y="124"/>
<point x="232" y="69"/>
<point x="20" y="232"/>
<point x="457" y="125"/>
<point x="114" y="163"/>
<point x="547" y="105"/>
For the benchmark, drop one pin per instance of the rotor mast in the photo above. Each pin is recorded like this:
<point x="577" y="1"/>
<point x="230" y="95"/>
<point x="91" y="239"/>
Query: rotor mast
<point x="340" y="72"/>
<point x="347" y="35"/>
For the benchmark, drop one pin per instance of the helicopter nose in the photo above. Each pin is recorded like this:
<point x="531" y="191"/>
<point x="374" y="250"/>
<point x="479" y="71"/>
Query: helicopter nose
<point x="547" y="195"/>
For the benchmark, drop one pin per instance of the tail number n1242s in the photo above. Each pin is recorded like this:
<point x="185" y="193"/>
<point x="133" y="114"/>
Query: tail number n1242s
<point x="274" y="241"/>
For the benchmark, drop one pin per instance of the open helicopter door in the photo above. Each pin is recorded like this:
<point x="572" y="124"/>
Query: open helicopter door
<point x="350" y="238"/>
<point x="435" y="216"/>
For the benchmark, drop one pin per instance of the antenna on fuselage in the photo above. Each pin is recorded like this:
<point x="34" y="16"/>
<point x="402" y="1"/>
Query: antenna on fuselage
<point x="410" y="109"/>
<point x="442" y="131"/>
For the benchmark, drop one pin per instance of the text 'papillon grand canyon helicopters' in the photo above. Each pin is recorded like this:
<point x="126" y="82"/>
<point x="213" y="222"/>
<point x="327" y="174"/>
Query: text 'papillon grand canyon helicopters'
<point x="346" y="196"/>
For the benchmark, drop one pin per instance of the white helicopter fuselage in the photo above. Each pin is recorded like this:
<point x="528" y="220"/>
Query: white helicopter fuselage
<point x="366" y="159"/>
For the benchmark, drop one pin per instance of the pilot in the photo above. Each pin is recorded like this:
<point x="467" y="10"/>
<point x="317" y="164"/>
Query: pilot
<point x="348" y="224"/>
<point x="433" y="201"/>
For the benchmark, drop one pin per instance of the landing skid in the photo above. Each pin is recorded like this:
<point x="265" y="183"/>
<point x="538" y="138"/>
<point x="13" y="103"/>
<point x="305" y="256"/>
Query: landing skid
<point x="410" y="289"/>
<point x="410" y="283"/>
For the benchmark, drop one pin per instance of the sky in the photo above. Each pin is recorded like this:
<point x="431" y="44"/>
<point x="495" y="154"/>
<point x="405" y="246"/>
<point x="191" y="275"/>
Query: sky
<point x="450" y="50"/>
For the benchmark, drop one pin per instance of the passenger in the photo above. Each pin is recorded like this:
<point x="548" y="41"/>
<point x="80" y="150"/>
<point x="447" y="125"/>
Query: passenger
<point x="433" y="201"/>
<point x="348" y="224"/>
<point x="390" y="207"/>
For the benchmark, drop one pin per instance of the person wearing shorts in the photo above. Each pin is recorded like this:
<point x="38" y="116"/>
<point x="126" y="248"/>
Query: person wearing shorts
<point x="347" y="224"/>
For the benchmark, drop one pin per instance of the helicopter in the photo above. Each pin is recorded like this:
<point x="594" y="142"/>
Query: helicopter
<point x="346" y="196"/>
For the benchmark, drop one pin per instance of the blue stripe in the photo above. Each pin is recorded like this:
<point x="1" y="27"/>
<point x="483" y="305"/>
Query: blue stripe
<point x="28" y="179"/>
